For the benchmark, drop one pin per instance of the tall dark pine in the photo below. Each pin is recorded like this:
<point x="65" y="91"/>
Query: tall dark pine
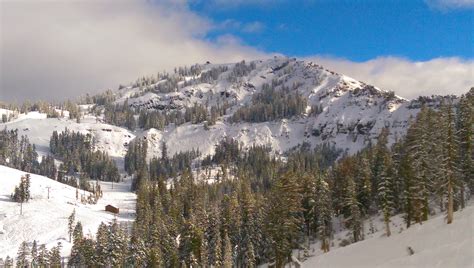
<point x="284" y="217"/>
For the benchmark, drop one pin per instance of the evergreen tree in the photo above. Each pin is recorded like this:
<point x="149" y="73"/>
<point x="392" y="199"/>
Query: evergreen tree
<point x="70" y="225"/>
<point x="8" y="262"/>
<point x="324" y="212"/>
<point x="284" y="222"/>
<point x="22" y="192"/>
<point x="77" y="258"/>
<point x="465" y="135"/>
<point x="34" y="253"/>
<point x="449" y="159"/>
<point x="43" y="258"/>
<point x="386" y="194"/>
<point x="227" y="261"/>
<point x="101" y="248"/>
<point x="23" y="255"/>
<point x="355" y="217"/>
<point x="116" y="245"/>
<point x="137" y="251"/>
<point x="55" y="256"/>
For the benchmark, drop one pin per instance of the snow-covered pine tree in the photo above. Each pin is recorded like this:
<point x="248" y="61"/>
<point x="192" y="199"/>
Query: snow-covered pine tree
<point x="116" y="245"/>
<point x="366" y="181"/>
<point x="34" y="253"/>
<point x="465" y="129"/>
<point x="22" y="257"/>
<point x="43" y="258"/>
<point x="214" y="238"/>
<point x="8" y="262"/>
<point x="55" y="256"/>
<point x="70" y="226"/>
<point x="324" y="211"/>
<point x="406" y="172"/>
<point x="246" y="254"/>
<point x="449" y="157"/>
<point x="22" y="191"/>
<point x="101" y="245"/>
<point x="386" y="194"/>
<point x="137" y="250"/>
<point x="355" y="216"/>
<point x="77" y="258"/>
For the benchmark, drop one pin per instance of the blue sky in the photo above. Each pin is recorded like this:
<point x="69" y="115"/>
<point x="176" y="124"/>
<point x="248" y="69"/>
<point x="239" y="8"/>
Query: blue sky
<point x="351" y="29"/>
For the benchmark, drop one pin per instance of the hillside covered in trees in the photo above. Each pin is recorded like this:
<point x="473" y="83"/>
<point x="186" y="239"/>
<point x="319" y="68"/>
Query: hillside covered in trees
<point x="261" y="208"/>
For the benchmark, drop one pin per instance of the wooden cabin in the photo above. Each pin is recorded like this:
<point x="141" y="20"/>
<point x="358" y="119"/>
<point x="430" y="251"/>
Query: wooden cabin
<point x="112" y="209"/>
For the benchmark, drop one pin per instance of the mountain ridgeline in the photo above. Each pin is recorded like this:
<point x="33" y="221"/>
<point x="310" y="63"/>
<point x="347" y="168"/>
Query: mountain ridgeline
<point x="281" y="103"/>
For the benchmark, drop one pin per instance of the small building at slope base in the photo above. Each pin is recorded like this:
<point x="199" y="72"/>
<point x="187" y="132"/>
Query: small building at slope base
<point x="112" y="209"/>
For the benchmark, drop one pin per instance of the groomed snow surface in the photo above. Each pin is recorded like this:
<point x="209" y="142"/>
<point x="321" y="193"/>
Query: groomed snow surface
<point x="46" y="220"/>
<point x="435" y="244"/>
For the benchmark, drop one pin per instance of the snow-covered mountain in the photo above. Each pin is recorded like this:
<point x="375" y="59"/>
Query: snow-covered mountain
<point x="340" y="110"/>
<point x="349" y="113"/>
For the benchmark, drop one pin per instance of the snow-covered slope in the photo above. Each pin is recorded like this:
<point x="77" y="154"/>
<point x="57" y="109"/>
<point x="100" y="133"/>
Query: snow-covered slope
<point x="435" y="244"/>
<point x="39" y="129"/>
<point x="45" y="219"/>
<point x="353" y="113"/>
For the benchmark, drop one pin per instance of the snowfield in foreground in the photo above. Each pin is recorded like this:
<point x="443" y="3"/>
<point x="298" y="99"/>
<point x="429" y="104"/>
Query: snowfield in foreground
<point x="436" y="244"/>
<point x="46" y="220"/>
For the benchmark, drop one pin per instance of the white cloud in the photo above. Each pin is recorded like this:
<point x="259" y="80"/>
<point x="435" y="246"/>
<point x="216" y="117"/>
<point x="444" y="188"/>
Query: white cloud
<point x="66" y="48"/>
<point x="253" y="27"/>
<point x="408" y="79"/>
<point x="235" y="25"/>
<point x="230" y="4"/>
<point x="450" y="4"/>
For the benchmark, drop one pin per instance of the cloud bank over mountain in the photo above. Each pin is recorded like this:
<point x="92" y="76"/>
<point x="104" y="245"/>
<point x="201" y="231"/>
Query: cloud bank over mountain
<point x="66" y="48"/>
<point x="409" y="79"/>
<point x="54" y="50"/>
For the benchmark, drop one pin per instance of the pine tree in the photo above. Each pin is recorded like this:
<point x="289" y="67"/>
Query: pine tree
<point x="71" y="220"/>
<point x="246" y="254"/>
<point x="355" y="216"/>
<point x="8" y="262"/>
<point x="77" y="258"/>
<point x="204" y="250"/>
<point x="227" y="261"/>
<point x="22" y="255"/>
<point x="406" y="172"/>
<point x="465" y="135"/>
<point x="43" y="259"/>
<point x="385" y="194"/>
<point x="214" y="238"/>
<point x="137" y="251"/>
<point x="22" y="192"/>
<point x="101" y="252"/>
<point x="250" y="259"/>
<point x="449" y="159"/>
<point x="366" y="180"/>
<point x="55" y="256"/>
<point x="285" y="219"/>
<point x="34" y="253"/>
<point x="324" y="212"/>
<point x="116" y="245"/>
